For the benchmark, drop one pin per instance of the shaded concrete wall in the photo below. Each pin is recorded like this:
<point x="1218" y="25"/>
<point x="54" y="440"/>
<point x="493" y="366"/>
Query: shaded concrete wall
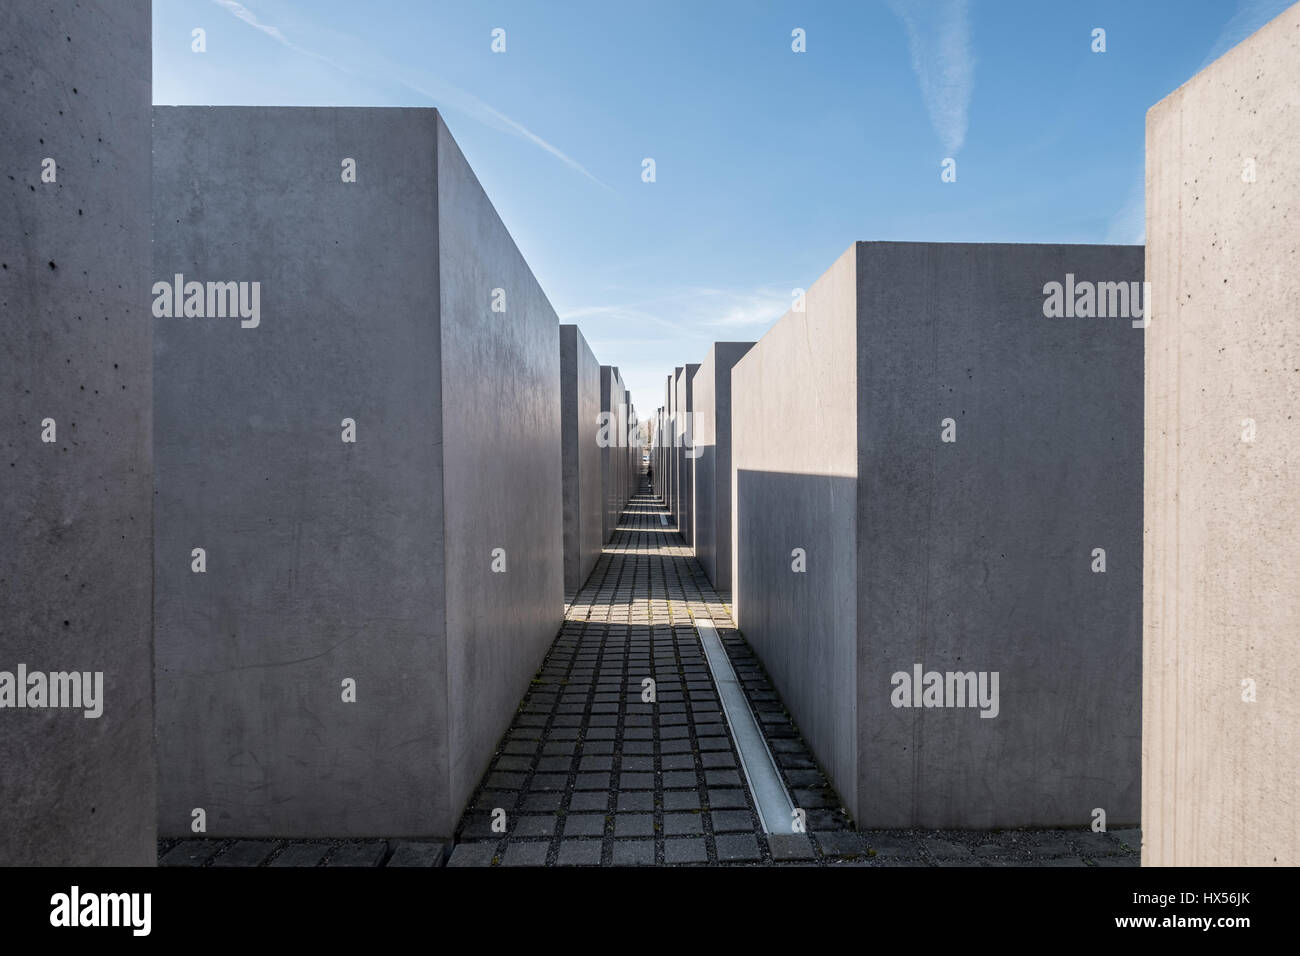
<point x="675" y="418"/>
<point x="794" y="468"/>
<point x="328" y="560"/>
<point x="501" y="421"/>
<point x="711" y="471"/>
<point x="613" y="456"/>
<point x="1222" y="585"/>
<point x="582" y="458"/>
<point x="973" y="555"/>
<point x="75" y="529"/>
<point x="686" y="452"/>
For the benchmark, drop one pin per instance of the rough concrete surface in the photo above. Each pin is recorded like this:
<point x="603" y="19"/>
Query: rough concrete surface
<point x="1222" y="578"/>
<point x="75" y="535"/>
<point x="685" y="451"/>
<point x="974" y="555"/>
<point x="329" y="561"/>
<point x="581" y="458"/>
<point x="711" y="472"/>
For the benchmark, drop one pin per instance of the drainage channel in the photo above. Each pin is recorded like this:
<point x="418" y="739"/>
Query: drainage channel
<point x="775" y="808"/>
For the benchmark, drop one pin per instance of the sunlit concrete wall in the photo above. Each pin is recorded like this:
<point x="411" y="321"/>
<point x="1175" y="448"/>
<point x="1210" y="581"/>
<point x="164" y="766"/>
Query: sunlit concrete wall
<point x="1221" y="745"/>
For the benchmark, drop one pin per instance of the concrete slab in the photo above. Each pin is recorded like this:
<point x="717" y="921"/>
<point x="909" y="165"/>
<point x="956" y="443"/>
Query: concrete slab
<point x="711" y="471"/>
<point x="581" y="457"/>
<point x="75" y="360"/>
<point x="684" y="437"/>
<point x="1221" y="742"/>
<point x="370" y="611"/>
<point x="867" y="545"/>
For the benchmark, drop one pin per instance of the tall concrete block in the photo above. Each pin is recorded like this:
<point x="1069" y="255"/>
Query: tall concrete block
<point x="76" y="788"/>
<point x="613" y="453"/>
<point x="582" y="457"/>
<point x="686" y="452"/>
<point x="1221" y="742"/>
<point x="372" y="470"/>
<point x="925" y="469"/>
<point x="711" y="470"/>
<point x="675" y="419"/>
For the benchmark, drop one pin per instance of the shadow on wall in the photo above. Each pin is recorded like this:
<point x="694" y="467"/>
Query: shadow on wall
<point x="1053" y="737"/>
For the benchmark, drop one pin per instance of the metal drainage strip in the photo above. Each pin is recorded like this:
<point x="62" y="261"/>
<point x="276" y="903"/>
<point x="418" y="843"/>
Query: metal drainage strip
<point x="775" y="808"/>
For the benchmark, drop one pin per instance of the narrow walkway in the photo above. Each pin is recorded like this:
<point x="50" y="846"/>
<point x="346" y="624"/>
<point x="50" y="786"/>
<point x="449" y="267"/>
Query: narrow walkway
<point x="591" y="774"/>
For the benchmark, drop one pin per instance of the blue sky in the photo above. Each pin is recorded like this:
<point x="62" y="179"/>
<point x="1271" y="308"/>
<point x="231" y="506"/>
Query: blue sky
<point x="769" y="163"/>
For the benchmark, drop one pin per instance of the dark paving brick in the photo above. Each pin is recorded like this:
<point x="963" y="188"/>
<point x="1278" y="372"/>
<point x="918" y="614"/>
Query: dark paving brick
<point x="580" y="853"/>
<point x="358" y="853"/>
<point x="634" y="853"/>
<point x="734" y="847"/>
<point x="190" y="853"/>
<point x="791" y="846"/>
<point x="686" y="850"/>
<point x="245" y="853"/>
<point x="416" y="853"/>
<point x="525" y="853"/>
<point x="732" y="821"/>
<point x="300" y="854"/>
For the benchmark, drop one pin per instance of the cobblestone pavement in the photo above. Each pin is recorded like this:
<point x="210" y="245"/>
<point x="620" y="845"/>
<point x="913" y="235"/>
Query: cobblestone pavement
<point x="589" y="774"/>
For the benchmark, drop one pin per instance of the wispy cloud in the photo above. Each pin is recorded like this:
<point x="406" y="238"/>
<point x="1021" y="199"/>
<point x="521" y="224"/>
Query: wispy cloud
<point x="939" y="38"/>
<point x="444" y="94"/>
<point x="1129" y="224"/>
<point x="695" y="311"/>
<point x="1250" y="16"/>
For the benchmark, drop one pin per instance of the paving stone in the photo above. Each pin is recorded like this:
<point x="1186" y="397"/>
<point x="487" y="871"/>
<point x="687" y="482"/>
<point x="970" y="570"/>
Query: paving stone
<point x="735" y="847"/>
<point x="358" y="853"/>
<point x="731" y="821"/>
<point x="584" y="824"/>
<point x="245" y="853"/>
<point x="531" y="825"/>
<point x="632" y="802"/>
<point x="681" y="800"/>
<point x="636" y="781"/>
<point x="686" y="850"/>
<point x="790" y="846"/>
<point x="542" y="802"/>
<point x="525" y="853"/>
<point x="727" y="799"/>
<point x="634" y="825"/>
<point x="634" y="853"/>
<point x="944" y="850"/>
<point x="679" y="779"/>
<point x="884" y="847"/>
<point x="683" y="824"/>
<point x="840" y="843"/>
<point x="300" y="854"/>
<point x="417" y="853"/>
<point x="579" y="853"/>
<point x="589" y="800"/>
<point x="191" y="853"/>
